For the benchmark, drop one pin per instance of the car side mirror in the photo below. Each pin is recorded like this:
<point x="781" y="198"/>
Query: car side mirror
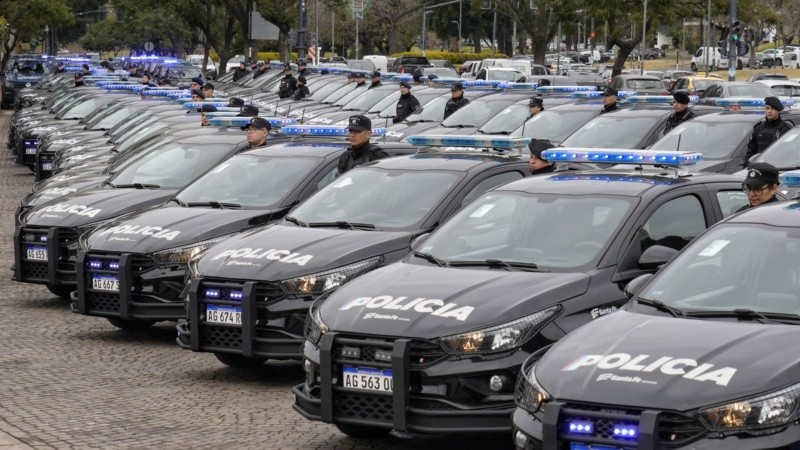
<point x="656" y="256"/>
<point x="633" y="288"/>
<point x="419" y="240"/>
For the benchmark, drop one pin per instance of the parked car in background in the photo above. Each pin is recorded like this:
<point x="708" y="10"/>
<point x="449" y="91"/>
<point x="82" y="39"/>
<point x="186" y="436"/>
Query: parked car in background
<point x="695" y="84"/>
<point x="784" y="88"/>
<point x="408" y="64"/>
<point x="641" y="84"/>
<point x="501" y="73"/>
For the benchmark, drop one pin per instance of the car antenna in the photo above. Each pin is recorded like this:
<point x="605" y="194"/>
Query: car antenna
<point x="678" y="147"/>
<point x="303" y="115"/>
<point x="386" y="126"/>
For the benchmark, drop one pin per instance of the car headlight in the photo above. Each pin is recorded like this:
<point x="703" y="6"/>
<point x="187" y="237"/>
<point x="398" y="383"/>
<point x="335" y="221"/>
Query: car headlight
<point x="765" y="411"/>
<point x="315" y="327"/>
<point x="498" y="338"/>
<point x="85" y="230"/>
<point x="317" y="283"/>
<point x="530" y="395"/>
<point x="182" y="255"/>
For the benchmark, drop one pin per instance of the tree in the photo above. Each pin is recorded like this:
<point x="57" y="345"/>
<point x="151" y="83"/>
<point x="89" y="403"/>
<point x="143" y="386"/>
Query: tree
<point x="27" y="19"/>
<point x="540" y="21"/>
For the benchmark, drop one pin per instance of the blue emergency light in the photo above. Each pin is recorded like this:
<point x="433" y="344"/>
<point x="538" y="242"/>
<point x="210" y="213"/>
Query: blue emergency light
<point x="623" y="156"/>
<point x="790" y="179"/>
<point x="656" y="99"/>
<point x="323" y="130"/>
<point x="446" y="81"/>
<point x="402" y="77"/>
<point x="212" y="293"/>
<point x="236" y="121"/>
<point x="470" y="141"/>
<point x="483" y="83"/>
<point x="179" y="94"/>
<point x="224" y="111"/>
<point x="518" y="86"/>
<point x="157" y="92"/>
<point x="170" y="61"/>
<point x="236" y="295"/>
<point x="564" y="89"/>
<point x="748" y="102"/>
<point x="599" y="94"/>
<point x="197" y="105"/>
<point x="585" y="427"/>
<point x="625" y="431"/>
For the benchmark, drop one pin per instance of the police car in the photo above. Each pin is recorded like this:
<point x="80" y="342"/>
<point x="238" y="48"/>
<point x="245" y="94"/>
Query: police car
<point x="46" y="239"/>
<point x="132" y="270"/>
<point x="703" y="356"/>
<point x="434" y="343"/>
<point x="556" y="123"/>
<point x="266" y="280"/>
<point x="384" y="110"/>
<point x="21" y="71"/>
<point x="784" y="156"/>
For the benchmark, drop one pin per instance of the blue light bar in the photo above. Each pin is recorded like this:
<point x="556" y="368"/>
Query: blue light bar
<point x="622" y="156"/>
<point x="445" y="81"/>
<point x="196" y="105"/>
<point x="599" y="94"/>
<point x="402" y="77"/>
<point x="212" y="293"/>
<point x="224" y="111"/>
<point x="157" y="92"/>
<point x="236" y="295"/>
<point x="483" y="83"/>
<point x="180" y="93"/>
<point x="123" y="87"/>
<point x="455" y="140"/>
<point x="113" y="82"/>
<point x="170" y="61"/>
<point x="790" y="179"/>
<point x="564" y="89"/>
<point x="625" y="431"/>
<point x="518" y="86"/>
<point x="656" y="99"/>
<point x="113" y="265"/>
<point x="235" y="121"/>
<point x="43" y="238"/>
<point x="324" y="130"/>
<point x="748" y="102"/>
<point x="96" y="264"/>
<point x="585" y="427"/>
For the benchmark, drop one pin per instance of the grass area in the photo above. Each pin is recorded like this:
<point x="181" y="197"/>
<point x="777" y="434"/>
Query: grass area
<point x="683" y="63"/>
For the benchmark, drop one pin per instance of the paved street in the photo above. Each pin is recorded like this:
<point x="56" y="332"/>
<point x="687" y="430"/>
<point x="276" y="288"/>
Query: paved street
<point x="70" y="381"/>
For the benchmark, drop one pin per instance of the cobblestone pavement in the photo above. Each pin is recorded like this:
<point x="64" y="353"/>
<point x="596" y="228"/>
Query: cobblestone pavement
<point x="70" y="381"/>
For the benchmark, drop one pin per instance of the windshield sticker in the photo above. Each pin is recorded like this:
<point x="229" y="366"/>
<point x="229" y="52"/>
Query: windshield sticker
<point x="285" y="256"/>
<point x="683" y="367"/>
<point x="480" y="212"/>
<point x="144" y="230"/>
<point x="432" y="306"/>
<point x="713" y="248"/>
<point x="81" y="210"/>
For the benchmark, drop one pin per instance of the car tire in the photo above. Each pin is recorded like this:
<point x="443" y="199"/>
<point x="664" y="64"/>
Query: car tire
<point x="362" y="431"/>
<point x="60" y="291"/>
<point x="694" y="67"/>
<point x="239" y="361"/>
<point x="130" y="325"/>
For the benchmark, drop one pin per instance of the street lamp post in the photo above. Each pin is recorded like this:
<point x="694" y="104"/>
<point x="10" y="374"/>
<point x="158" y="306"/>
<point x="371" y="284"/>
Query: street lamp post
<point x="459" y="33"/>
<point x="425" y="13"/>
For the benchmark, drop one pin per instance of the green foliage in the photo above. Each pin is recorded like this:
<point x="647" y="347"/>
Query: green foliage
<point x="453" y="57"/>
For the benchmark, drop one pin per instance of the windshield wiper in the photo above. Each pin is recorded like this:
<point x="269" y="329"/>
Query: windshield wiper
<point x="744" y="313"/>
<point x="176" y="200"/>
<point x="658" y="304"/>
<point x="430" y="258"/>
<point x="136" y="185"/>
<point x="213" y="204"/>
<point x="295" y="221"/>
<point x="783" y="168"/>
<point x="498" y="263"/>
<point x="342" y="224"/>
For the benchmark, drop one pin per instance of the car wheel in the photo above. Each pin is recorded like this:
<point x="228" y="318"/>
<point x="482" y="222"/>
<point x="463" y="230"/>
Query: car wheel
<point x="60" y="291"/>
<point x="694" y="67"/>
<point x="130" y="325"/>
<point x="239" y="361"/>
<point x="361" y="431"/>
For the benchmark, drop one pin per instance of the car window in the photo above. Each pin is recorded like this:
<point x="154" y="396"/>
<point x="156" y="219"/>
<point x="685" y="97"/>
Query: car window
<point x="683" y="83"/>
<point x="674" y="224"/>
<point x="643" y="84"/>
<point x="489" y="183"/>
<point x="730" y="201"/>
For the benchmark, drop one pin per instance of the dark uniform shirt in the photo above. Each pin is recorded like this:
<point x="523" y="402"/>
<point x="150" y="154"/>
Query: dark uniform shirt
<point x="287" y="87"/>
<point x="678" y="118"/>
<point x="608" y="109"/>
<point x="264" y="144"/>
<point x="375" y="84"/>
<point x="454" y="104"/>
<point x="549" y="168"/>
<point x="239" y="74"/>
<point x="765" y="132"/>
<point x="748" y="206"/>
<point x="259" y="72"/>
<point x="355" y="156"/>
<point x="406" y="105"/>
<point x="301" y="92"/>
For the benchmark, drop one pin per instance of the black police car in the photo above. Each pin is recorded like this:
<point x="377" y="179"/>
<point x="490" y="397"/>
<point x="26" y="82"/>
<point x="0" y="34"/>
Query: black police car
<point x="434" y="343"/>
<point x="46" y="239"/>
<point x="266" y="280"/>
<point x="21" y="71"/>
<point x="131" y="271"/>
<point x="702" y="357"/>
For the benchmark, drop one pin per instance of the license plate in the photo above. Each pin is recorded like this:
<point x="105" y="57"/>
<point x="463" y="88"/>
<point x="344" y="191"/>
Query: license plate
<point x="36" y="253"/>
<point x="30" y="151"/>
<point x="581" y="446"/>
<point x="47" y="165"/>
<point x="224" y="314"/>
<point x="367" y="379"/>
<point x="105" y="283"/>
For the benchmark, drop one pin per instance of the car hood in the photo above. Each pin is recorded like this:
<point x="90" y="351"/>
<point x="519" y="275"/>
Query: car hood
<point x="84" y="207"/>
<point x="659" y="362"/>
<point x="281" y="251"/>
<point x="57" y="190"/>
<point x="427" y="302"/>
<point x="157" y="229"/>
<point x="398" y="132"/>
<point x="450" y="130"/>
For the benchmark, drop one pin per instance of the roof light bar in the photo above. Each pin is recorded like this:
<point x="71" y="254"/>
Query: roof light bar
<point x="599" y="94"/>
<point x="179" y="94"/>
<point x="564" y="89"/>
<point x="157" y="92"/>
<point x="483" y="83"/>
<point x="519" y="86"/>
<point x="402" y="77"/>
<point x="656" y="99"/>
<point x="748" y="101"/>
<point x="455" y="140"/>
<point x="446" y="81"/>
<point x="236" y="121"/>
<point x="197" y="105"/>
<point x="790" y="179"/>
<point x="224" y="111"/>
<point x="325" y="130"/>
<point x="622" y="156"/>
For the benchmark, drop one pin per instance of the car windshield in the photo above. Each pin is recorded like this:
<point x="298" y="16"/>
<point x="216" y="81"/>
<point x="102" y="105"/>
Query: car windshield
<point x="714" y="139"/>
<point x="324" y="91"/>
<point x="255" y="181"/>
<point x="503" y="75"/>
<point x="551" y="231"/>
<point x="355" y="92"/>
<point x="433" y="111"/>
<point x="784" y="153"/>
<point x="506" y="120"/>
<point x="81" y="109"/>
<point x="387" y="199"/>
<point x="366" y="100"/>
<point x="110" y="119"/>
<point x="643" y="84"/>
<point x="26" y="67"/>
<point x="476" y="113"/>
<point x="554" y="125"/>
<point x="711" y="274"/>
<point x="171" y="166"/>
<point x="786" y="90"/>
<point x="754" y="90"/>
<point x="702" y="84"/>
<point x="612" y="132"/>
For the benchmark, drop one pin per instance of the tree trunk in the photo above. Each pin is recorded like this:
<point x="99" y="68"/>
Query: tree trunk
<point x="283" y="45"/>
<point x="476" y="42"/>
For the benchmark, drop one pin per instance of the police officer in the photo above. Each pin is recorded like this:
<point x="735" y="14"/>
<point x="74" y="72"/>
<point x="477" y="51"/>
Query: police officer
<point x="79" y="79"/>
<point x="361" y="79"/>
<point x="765" y="132"/>
<point x="196" y="83"/>
<point x="361" y="150"/>
<point x="761" y="185"/>
<point x="145" y="79"/>
<point x="416" y="77"/>
<point x="261" y="69"/>
<point x="85" y="70"/>
<point x="257" y="132"/>
<point x="302" y="90"/>
<point x="543" y="82"/>
<point x="133" y="71"/>
<point x="535" y="106"/>
<point x="539" y="165"/>
<point x="208" y="90"/>
<point x="376" y="80"/>
<point x="240" y="71"/>
<point x="301" y="68"/>
<point x="432" y="77"/>
<point x="235" y="102"/>
<point x="60" y="67"/>
<point x="197" y="95"/>
<point x="683" y="113"/>
<point x="456" y="101"/>
<point x="204" y="122"/>
<point x="609" y="100"/>
<point x="406" y="104"/>
<point x="248" y="111"/>
<point x="288" y="83"/>
<point x="351" y="77"/>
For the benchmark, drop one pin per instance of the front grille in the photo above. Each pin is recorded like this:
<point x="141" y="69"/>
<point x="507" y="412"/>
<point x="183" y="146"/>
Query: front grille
<point x="421" y="353"/>
<point x="97" y="301"/>
<point x="676" y="430"/>
<point x="221" y="337"/>
<point x="64" y="257"/>
<point x="363" y="406"/>
<point x="431" y="405"/>
<point x="34" y="270"/>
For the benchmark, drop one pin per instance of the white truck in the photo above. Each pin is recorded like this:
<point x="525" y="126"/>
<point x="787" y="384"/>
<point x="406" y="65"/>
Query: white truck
<point x="713" y="58"/>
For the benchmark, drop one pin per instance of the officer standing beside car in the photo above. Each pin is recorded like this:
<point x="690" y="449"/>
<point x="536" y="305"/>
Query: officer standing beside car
<point x="680" y="104"/>
<point x="535" y="106"/>
<point x="538" y="164"/>
<point x="361" y="150"/>
<point x="240" y="71"/>
<point x="761" y="185"/>
<point x="406" y="104"/>
<point x="257" y="132"/>
<point x="456" y="101"/>
<point x="376" y="80"/>
<point x="288" y="83"/>
<point x="767" y="131"/>
<point x="302" y="90"/>
<point x="610" y="100"/>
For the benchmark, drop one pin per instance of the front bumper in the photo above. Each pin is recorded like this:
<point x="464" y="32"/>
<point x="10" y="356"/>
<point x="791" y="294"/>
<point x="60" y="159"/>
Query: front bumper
<point x="45" y="255"/>
<point x="419" y="402"/>
<point x="656" y="430"/>
<point x="271" y="326"/>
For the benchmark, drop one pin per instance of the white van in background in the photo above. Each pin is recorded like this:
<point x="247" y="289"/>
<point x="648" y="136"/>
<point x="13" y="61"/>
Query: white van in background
<point x="523" y="65"/>
<point x="380" y="62"/>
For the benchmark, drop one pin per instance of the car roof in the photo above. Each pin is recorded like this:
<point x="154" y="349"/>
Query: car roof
<point x="779" y="214"/>
<point x="778" y="82"/>
<point x="451" y="161"/>
<point x="710" y="76"/>
<point x="745" y="115"/>
<point x="216" y="138"/>
<point x="629" y="76"/>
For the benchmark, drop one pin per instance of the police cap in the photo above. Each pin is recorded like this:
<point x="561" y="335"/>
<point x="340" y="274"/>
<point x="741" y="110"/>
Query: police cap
<point x="376" y="74"/>
<point x="207" y="108"/>
<point x="197" y="80"/>
<point x="681" y="97"/>
<point x="198" y="93"/>
<point x="457" y="87"/>
<point x="248" y="111"/>
<point x="536" y="101"/>
<point x="258" y="123"/>
<point x="208" y="86"/>
<point x="537" y="146"/>
<point x="359" y="123"/>
<point x="774" y="102"/>
<point x="609" y="91"/>
<point x="405" y="84"/>
<point x="761" y="174"/>
<point x="236" y="102"/>
<point x="361" y="75"/>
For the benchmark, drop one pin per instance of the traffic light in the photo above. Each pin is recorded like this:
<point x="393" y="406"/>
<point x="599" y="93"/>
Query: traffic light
<point x="736" y="32"/>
